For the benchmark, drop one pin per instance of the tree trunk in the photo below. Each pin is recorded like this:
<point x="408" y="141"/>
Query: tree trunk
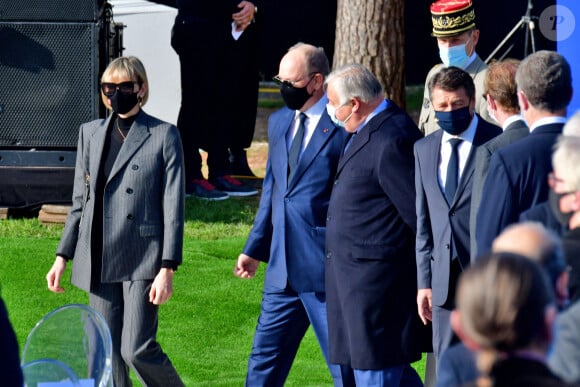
<point x="371" y="32"/>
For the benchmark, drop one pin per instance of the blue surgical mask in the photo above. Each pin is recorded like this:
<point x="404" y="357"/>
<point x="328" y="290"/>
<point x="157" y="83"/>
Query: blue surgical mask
<point x="454" y="56"/>
<point x="331" y="110"/>
<point x="454" y="122"/>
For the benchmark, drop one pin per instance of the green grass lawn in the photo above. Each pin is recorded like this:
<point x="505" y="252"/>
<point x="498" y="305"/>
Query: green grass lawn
<point x="206" y="328"/>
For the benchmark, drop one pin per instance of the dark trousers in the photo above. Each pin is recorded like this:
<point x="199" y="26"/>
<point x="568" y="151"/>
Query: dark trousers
<point x="284" y="318"/>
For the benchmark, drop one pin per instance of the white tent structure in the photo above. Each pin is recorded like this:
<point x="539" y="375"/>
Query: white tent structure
<point x="147" y="35"/>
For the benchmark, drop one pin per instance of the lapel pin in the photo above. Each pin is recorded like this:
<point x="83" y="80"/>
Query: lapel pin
<point x="325" y="130"/>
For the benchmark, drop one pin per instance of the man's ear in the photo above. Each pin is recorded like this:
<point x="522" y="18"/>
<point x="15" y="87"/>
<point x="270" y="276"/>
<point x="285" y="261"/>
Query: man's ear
<point x="523" y="101"/>
<point x="491" y="102"/>
<point x="458" y="329"/>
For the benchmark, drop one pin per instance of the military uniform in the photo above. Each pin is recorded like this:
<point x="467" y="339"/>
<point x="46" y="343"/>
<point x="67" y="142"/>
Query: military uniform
<point x="452" y="18"/>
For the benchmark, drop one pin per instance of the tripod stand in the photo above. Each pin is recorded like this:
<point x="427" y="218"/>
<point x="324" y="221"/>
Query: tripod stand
<point x="527" y="22"/>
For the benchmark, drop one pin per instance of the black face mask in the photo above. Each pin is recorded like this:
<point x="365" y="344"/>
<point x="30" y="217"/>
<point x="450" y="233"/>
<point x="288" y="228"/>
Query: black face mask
<point x="563" y="217"/>
<point x="455" y="121"/>
<point x="122" y="103"/>
<point x="294" y="97"/>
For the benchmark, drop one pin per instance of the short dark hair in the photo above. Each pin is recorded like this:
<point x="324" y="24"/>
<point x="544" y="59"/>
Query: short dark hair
<point x="452" y="79"/>
<point x="546" y="80"/>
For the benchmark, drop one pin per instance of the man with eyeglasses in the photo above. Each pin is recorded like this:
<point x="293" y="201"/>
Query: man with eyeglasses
<point x="289" y="229"/>
<point x="456" y="34"/>
<point x="565" y="203"/>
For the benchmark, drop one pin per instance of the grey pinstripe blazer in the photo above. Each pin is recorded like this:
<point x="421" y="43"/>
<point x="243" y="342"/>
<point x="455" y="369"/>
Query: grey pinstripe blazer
<point x="144" y="202"/>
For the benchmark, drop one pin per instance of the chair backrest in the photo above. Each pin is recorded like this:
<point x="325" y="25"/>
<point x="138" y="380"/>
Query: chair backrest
<point x="77" y="336"/>
<point x="48" y="371"/>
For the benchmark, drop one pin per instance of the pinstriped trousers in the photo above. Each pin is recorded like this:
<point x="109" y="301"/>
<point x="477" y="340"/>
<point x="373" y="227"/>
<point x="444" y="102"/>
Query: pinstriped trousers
<point x="133" y="322"/>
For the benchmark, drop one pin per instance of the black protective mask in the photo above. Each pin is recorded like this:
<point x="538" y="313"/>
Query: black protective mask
<point x="563" y="217"/>
<point x="455" y="121"/>
<point x="294" y="97"/>
<point x="122" y="103"/>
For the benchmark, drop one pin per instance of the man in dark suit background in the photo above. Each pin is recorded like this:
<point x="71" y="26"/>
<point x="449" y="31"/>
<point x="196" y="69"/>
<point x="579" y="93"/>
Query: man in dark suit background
<point x="370" y="271"/>
<point x="518" y="173"/>
<point x="217" y="43"/>
<point x="500" y="91"/>
<point x="289" y="228"/>
<point x="444" y="165"/>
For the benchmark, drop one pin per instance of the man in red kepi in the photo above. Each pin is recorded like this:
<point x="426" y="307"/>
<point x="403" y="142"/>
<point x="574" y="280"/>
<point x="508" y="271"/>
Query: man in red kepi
<point x="457" y="35"/>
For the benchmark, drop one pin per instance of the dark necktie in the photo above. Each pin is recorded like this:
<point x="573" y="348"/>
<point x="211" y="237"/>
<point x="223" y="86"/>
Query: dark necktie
<point x="452" y="170"/>
<point x="296" y="146"/>
<point x="349" y="140"/>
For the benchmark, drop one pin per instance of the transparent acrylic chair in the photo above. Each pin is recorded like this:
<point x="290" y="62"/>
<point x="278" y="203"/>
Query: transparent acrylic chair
<point x="76" y="336"/>
<point x="49" y="372"/>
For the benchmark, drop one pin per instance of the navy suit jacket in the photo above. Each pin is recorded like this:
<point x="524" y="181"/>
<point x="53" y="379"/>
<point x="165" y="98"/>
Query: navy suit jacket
<point x="516" y="130"/>
<point x="290" y="226"/>
<point x="370" y="271"/>
<point x="457" y="367"/>
<point x="440" y="224"/>
<point x="516" y="181"/>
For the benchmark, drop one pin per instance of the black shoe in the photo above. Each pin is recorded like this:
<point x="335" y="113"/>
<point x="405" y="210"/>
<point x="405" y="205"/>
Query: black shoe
<point x="233" y="187"/>
<point x="203" y="189"/>
<point x="239" y="164"/>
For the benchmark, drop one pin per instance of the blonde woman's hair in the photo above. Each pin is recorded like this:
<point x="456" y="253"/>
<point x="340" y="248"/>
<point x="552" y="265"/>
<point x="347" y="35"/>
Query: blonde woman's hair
<point x="126" y="67"/>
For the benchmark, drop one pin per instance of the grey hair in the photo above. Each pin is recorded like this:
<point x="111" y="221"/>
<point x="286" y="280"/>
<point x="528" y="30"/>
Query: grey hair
<point x="354" y="81"/>
<point x="546" y="80"/>
<point x="566" y="160"/>
<point x="572" y="127"/>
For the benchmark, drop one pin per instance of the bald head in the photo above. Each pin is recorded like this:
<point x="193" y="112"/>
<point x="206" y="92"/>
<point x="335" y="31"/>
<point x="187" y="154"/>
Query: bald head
<point x="533" y="240"/>
<point x="528" y="239"/>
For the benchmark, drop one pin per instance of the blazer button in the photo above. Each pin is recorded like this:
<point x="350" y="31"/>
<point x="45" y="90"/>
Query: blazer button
<point x="336" y="182"/>
<point x="328" y="218"/>
<point x="329" y="255"/>
<point x="130" y="216"/>
<point x="134" y="167"/>
<point x="129" y="190"/>
<point x="452" y="213"/>
<point x="447" y="246"/>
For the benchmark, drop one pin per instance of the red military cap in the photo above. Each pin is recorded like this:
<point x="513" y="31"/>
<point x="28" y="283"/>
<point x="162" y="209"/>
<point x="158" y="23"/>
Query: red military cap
<point x="452" y="17"/>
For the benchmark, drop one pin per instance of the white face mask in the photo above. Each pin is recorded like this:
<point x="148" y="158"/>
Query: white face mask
<point x="331" y="110"/>
<point x="455" y="55"/>
<point x="492" y="115"/>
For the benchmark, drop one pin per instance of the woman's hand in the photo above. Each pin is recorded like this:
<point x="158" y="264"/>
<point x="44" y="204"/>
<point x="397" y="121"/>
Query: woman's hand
<point x="55" y="273"/>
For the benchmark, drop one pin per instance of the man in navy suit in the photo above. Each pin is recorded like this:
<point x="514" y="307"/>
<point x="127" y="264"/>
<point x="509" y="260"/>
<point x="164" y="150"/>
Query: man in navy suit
<point x="500" y="91"/>
<point x="289" y="229"/>
<point x="370" y="270"/>
<point x="518" y="173"/>
<point x="444" y="165"/>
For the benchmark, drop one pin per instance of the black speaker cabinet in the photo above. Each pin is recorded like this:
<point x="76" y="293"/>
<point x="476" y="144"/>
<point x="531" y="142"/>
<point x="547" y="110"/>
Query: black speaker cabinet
<point x="50" y="10"/>
<point x="48" y="82"/>
<point x="52" y="53"/>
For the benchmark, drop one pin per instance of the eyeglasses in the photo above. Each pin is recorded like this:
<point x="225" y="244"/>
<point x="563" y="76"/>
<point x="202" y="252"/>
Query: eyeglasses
<point x="283" y="82"/>
<point x="109" y="89"/>
<point x="553" y="179"/>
